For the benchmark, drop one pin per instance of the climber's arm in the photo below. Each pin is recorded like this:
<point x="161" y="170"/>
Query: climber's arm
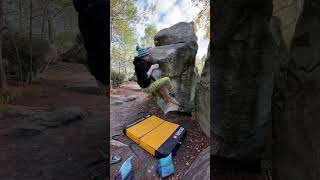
<point x="154" y="66"/>
<point x="149" y="72"/>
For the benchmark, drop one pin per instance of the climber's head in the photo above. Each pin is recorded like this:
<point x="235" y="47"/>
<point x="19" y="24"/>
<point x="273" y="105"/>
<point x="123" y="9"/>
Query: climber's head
<point x="146" y="58"/>
<point x="143" y="53"/>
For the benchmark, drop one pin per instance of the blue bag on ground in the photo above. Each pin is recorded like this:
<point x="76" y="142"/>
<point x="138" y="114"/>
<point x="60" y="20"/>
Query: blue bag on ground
<point x="126" y="171"/>
<point x="165" y="166"/>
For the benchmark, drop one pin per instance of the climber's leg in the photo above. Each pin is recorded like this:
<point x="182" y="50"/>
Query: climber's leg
<point x="155" y="86"/>
<point x="168" y="83"/>
<point x="162" y="86"/>
<point x="166" y="88"/>
<point x="161" y="92"/>
<point x="158" y="93"/>
<point x="165" y="93"/>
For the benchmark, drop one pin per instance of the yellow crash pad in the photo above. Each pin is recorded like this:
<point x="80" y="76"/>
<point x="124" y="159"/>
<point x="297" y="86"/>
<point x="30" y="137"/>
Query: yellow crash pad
<point x="155" y="135"/>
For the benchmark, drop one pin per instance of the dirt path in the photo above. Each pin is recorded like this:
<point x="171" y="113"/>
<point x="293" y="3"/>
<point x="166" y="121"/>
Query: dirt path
<point x="56" y="128"/>
<point x="128" y="103"/>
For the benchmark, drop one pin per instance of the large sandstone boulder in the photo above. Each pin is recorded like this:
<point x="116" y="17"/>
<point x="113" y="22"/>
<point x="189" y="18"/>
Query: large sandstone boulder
<point x="242" y="78"/>
<point x="202" y="97"/>
<point x="176" y="56"/>
<point x="181" y="32"/>
<point x="298" y="147"/>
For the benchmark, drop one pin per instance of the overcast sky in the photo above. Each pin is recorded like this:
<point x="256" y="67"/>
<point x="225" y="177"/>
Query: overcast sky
<point x="168" y="13"/>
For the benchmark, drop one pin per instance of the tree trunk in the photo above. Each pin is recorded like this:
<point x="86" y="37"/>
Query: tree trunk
<point x="20" y="16"/>
<point x="50" y="26"/>
<point x="3" y="78"/>
<point x="119" y="67"/>
<point x="14" y="45"/>
<point x="124" y="63"/>
<point x="30" y="39"/>
<point x="45" y="15"/>
<point x="111" y="26"/>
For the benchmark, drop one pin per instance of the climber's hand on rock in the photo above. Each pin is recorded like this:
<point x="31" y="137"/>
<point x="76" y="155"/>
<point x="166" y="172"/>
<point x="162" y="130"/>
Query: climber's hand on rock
<point x="155" y="66"/>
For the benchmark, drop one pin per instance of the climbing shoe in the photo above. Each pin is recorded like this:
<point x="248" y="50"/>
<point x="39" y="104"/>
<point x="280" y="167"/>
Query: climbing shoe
<point x="171" y="107"/>
<point x="172" y="94"/>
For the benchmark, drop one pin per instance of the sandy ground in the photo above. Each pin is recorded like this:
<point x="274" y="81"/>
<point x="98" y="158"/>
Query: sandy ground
<point x="128" y="103"/>
<point x="56" y="129"/>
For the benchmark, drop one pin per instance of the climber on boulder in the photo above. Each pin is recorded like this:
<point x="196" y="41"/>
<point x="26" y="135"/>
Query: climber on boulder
<point x="162" y="87"/>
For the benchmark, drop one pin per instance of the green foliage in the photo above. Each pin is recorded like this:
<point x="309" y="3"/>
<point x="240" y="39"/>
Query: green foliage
<point x="59" y="11"/>
<point x="17" y="18"/>
<point x="65" y="36"/>
<point x="151" y="31"/>
<point x="117" y="78"/>
<point x="147" y="40"/>
<point x="122" y="14"/>
<point x="67" y="6"/>
<point x="125" y="34"/>
<point x="64" y="40"/>
<point x="40" y="47"/>
<point x="7" y="97"/>
<point x="69" y="13"/>
<point x="122" y="60"/>
<point x="123" y="17"/>
<point x="123" y="43"/>
<point x="21" y="67"/>
<point x="123" y="10"/>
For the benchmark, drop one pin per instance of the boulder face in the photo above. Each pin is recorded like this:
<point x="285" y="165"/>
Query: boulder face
<point x="179" y="33"/>
<point x="202" y="97"/>
<point x="176" y="56"/>
<point x="242" y="78"/>
<point x="298" y="138"/>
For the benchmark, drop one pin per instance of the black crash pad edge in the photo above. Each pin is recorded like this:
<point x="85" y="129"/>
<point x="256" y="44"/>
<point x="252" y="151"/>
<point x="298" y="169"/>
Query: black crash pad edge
<point x="173" y="143"/>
